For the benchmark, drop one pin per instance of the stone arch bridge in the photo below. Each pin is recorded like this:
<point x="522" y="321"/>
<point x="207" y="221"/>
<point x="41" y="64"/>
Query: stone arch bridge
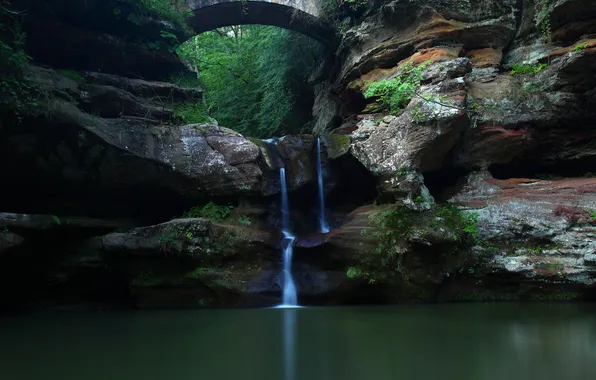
<point x="299" y="15"/>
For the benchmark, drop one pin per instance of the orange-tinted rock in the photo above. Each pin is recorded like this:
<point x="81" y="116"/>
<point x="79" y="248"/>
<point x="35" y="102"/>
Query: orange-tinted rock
<point x="433" y="55"/>
<point x="488" y="57"/>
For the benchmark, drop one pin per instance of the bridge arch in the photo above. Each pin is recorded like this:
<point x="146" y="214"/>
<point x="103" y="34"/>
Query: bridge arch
<point x="299" y="15"/>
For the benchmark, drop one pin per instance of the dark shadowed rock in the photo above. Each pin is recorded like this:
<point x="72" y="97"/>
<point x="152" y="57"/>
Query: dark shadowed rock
<point x="45" y="222"/>
<point x="9" y="240"/>
<point x="197" y="262"/>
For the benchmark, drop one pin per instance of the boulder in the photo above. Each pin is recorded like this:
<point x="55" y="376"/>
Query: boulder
<point x="197" y="262"/>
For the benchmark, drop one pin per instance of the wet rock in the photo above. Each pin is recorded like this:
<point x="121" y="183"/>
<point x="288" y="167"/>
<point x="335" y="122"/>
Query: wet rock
<point x="298" y="153"/>
<point x="9" y="240"/>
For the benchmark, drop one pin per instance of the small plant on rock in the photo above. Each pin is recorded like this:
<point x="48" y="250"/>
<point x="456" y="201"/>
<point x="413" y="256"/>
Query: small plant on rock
<point x="580" y="47"/>
<point x="528" y="69"/>
<point x="244" y="220"/>
<point x="396" y="93"/>
<point x="210" y="211"/>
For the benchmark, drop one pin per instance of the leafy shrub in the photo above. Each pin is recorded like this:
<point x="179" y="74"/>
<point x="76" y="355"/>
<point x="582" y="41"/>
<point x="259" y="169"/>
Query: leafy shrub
<point x="185" y="80"/>
<point x="528" y="69"/>
<point x="466" y="222"/>
<point x="245" y="220"/>
<point x="18" y="93"/>
<point x="210" y="211"/>
<point x="166" y="9"/>
<point x="396" y="93"/>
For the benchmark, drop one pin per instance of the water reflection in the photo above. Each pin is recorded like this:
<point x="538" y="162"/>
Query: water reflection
<point x="475" y="342"/>
<point x="289" y="343"/>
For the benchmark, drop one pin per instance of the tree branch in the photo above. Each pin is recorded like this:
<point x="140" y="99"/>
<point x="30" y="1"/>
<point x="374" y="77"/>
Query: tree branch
<point x="439" y="103"/>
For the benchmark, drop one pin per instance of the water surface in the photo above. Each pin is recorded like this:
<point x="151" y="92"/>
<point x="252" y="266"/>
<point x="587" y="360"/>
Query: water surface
<point x="475" y="342"/>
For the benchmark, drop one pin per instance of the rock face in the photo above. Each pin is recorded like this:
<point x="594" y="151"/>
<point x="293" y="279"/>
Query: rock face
<point x="474" y="109"/>
<point x="537" y="239"/>
<point x="112" y="135"/>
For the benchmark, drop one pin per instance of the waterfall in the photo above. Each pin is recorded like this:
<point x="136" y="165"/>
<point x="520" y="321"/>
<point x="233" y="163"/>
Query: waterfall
<point x="289" y="297"/>
<point x="323" y="226"/>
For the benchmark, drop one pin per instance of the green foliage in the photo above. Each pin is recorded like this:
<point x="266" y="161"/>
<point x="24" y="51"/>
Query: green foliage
<point x="396" y="93"/>
<point x="18" y="93"/>
<point x="580" y="47"/>
<point x="166" y="9"/>
<point x="56" y="219"/>
<point x="354" y="272"/>
<point x="185" y="79"/>
<point x="470" y="225"/>
<point x="592" y="214"/>
<point x="244" y="220"/>
<point x="176" y="238"/>
<point x="72" y="75"/>
<point x="528" y="69"/>
<point x="356" y="5"/>
<point x="544" y="16"/>
<point x="191" y="112"/>
<point x="456" y="218"/>
<point x="255" y="77"/>
<point x="210" y="211"/>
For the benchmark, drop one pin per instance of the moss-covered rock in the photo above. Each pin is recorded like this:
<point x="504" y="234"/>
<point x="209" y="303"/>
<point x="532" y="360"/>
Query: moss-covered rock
<point x="196" y="262"/>
<point x="336" y="145"/>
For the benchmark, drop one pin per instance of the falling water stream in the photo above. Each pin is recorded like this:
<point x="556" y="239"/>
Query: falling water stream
<point x="323" y="226"/>
<point x="289" y="297"/>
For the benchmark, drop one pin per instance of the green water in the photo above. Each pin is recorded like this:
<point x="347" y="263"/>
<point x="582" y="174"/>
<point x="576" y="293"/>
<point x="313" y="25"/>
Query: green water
<point x="475" y="342"/>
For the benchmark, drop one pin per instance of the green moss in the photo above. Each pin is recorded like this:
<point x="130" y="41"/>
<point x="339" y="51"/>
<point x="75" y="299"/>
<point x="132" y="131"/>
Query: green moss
<point x="72" y="75"/>
<point x="336" y="144"/>
<point x="191" y="112"/>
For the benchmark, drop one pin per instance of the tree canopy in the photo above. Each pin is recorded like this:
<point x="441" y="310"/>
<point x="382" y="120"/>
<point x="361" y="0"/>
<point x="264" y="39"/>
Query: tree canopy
<point x="255" y="77"/>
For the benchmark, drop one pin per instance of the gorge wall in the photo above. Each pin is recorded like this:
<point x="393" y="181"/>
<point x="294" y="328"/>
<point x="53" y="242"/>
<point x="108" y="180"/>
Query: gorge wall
<point x="480" y="187"/>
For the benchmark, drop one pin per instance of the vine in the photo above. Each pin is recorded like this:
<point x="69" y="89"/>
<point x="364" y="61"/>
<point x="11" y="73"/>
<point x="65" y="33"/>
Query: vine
<point x="544" y="17"/>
